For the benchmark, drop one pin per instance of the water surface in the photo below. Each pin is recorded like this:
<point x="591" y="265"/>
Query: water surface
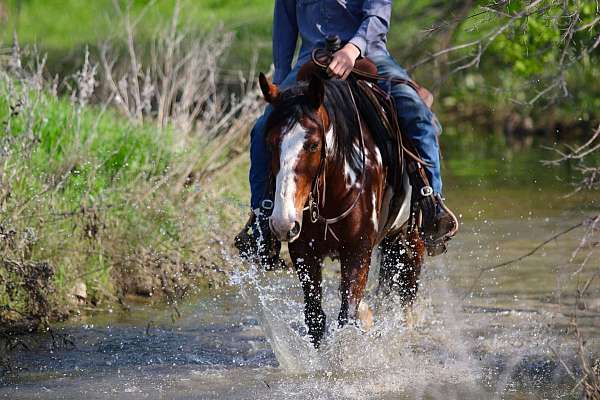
<point x="500" y="340"/>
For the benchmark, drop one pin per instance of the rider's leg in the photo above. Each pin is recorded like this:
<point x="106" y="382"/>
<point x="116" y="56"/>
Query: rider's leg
<point x="260" y="156"/>
<point x="260" y="161"/>
<point x="416" y="120"/>
<point x="421" y="125"/>
<point x="260" y="169"/>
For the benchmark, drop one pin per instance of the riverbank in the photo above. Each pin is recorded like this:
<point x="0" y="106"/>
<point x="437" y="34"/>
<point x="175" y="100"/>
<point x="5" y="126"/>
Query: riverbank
<point x="95" y="206"/>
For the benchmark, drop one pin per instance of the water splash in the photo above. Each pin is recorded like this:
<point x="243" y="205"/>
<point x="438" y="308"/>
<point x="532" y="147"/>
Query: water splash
<point x="448" y="344"/>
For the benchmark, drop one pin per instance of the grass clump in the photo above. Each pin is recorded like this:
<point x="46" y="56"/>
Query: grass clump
<point x="95" y="206"/>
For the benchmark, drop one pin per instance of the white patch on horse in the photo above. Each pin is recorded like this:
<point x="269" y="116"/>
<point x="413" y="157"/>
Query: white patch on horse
<point x="329" y="139"/>
<point x="350" y="174"/>
<point x="358" y="148"/>
<point x="378" y="156"/>
<point x="284" y="210"/>
<point x="374" y="218"/>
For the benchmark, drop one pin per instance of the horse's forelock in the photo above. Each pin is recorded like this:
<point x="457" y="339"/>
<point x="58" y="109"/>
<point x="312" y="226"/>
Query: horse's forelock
<point x="292" y="105"/>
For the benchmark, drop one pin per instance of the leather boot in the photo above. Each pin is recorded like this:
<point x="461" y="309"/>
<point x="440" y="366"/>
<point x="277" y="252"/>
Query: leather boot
<point x="439" y="225"/>
<point x="256" y="243"/>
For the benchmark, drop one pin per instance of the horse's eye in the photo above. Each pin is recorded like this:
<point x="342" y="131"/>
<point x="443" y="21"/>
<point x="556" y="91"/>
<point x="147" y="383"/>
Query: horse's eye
<point x="313" y="147"/>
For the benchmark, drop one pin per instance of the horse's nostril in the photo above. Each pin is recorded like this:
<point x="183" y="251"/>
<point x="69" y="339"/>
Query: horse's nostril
<point x="295" y="230"/>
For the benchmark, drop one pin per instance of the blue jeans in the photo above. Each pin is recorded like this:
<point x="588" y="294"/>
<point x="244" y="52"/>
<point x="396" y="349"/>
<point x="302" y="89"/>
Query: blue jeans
<point x="416" y="120"/>
<point x="414" y="117"/>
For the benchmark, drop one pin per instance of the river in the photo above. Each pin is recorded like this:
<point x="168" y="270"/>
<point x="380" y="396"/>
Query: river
<point x="502" y="340"/>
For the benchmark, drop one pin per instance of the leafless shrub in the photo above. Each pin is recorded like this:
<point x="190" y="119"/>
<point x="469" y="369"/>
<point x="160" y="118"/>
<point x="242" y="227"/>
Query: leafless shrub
<point x="177" y="87"/>
<point x="175" y="83"/>
<point x="582" y="157"/>
<point x="587" y="252"/>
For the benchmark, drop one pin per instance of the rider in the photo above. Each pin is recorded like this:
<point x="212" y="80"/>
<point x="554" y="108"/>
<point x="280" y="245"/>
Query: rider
<point x="362" y="26"/>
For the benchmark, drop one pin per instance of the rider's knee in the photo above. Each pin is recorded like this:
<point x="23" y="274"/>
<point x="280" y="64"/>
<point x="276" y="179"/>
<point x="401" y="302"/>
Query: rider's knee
<point x="411" y="107"/>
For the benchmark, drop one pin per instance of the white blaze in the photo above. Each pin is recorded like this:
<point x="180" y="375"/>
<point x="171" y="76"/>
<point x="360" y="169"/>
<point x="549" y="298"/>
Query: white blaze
<point x="284" y="210"/>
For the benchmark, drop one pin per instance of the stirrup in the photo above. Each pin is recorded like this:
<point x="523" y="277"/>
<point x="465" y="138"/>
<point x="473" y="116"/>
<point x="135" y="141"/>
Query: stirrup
<point x="428" y="205"/>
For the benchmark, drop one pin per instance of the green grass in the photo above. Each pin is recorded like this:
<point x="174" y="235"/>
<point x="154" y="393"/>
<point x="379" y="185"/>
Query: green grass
<point x="63" y="27"/>
<point x="67" y="24"/>
<point x="98" y="198"/>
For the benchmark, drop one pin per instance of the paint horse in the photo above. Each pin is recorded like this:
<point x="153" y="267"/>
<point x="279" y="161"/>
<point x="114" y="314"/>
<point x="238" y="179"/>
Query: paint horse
<point x="332" y="197"/>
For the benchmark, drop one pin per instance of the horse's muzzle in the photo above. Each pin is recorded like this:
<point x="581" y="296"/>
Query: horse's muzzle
<point x="286" y="235"/>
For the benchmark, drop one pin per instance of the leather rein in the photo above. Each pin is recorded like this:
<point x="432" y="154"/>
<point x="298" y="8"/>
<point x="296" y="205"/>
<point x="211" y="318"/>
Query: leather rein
<point x="373" y="78"/>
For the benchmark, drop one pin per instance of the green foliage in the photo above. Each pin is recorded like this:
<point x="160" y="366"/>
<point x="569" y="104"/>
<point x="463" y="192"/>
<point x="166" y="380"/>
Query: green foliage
<point x="525" y="47"/>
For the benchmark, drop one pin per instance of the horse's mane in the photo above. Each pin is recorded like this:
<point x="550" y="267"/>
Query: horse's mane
<point x="293" y="103"/>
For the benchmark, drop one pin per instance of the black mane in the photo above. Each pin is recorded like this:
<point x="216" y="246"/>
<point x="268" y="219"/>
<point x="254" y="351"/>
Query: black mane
<point x="292" y="104"/>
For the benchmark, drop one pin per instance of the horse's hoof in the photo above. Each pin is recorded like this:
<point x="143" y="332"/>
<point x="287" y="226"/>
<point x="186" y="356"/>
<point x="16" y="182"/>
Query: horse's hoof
<point x="365" y="316"/>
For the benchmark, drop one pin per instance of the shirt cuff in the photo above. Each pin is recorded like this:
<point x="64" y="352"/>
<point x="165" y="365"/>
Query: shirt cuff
<point x="359" y="42"/>
<point x="280" y="74"/>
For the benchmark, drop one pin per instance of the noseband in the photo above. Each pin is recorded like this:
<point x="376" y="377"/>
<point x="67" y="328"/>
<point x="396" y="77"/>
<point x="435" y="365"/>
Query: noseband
<point x="315" y="197"/>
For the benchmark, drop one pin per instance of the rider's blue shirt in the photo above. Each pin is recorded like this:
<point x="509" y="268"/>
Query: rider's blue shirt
<point x="364" y="23"/>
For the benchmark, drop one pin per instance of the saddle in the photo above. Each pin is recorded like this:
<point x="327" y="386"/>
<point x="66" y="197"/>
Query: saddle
<point x="378" y="110"/>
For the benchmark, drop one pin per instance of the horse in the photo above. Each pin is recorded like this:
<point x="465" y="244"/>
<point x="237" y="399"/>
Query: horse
<point x="331" y="198"/>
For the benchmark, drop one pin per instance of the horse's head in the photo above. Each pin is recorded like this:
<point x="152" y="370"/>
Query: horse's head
<point x="296" y="135"/>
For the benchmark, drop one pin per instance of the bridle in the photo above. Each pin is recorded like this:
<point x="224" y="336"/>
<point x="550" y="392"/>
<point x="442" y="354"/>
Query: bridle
<point x="315" y="199"/>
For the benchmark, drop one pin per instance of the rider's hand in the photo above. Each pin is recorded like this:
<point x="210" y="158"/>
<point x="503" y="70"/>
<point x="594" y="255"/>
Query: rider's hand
<point x="343" y="61"/>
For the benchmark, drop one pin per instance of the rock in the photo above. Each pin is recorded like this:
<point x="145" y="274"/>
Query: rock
<point x="79" y="291"/>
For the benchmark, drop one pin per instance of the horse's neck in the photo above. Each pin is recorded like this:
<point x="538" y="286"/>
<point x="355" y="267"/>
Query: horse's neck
<point x="340" y="178"/>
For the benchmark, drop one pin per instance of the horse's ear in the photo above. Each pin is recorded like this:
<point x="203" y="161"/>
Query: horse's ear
<point x="316" y="92"/>
<point x="269" y="90"/>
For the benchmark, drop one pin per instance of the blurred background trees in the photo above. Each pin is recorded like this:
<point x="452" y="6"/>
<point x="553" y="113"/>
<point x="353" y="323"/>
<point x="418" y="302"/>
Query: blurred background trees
<point x="524" y="69"/>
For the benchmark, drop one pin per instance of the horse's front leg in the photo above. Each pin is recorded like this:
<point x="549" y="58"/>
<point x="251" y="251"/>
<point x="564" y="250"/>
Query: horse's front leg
<point x="355" y="272"/>
<point x="309" y="271"/>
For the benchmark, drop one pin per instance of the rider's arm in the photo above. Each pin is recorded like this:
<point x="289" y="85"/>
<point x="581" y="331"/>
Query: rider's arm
<point x="285" y="36"/>
<point x="375" y="23"/>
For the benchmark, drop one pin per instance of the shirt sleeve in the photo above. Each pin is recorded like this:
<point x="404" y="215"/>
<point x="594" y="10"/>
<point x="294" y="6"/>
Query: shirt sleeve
<point x="375" y="23"/>
<point x="285" y="36"/>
